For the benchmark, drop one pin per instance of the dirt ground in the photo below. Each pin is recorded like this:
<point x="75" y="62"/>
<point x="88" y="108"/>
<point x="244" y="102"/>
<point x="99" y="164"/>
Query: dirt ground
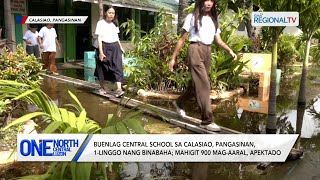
<point x="19" y="169"/>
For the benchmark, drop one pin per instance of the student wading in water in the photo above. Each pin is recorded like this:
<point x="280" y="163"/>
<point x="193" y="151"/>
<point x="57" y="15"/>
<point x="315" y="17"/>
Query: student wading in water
<point x="202" y="28"/>
<point x="109" y="54"/>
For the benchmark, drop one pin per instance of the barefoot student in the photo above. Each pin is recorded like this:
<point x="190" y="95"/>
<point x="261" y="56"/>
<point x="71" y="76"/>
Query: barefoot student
<point x="109" y="53"/>
<point x="202" y="28"/>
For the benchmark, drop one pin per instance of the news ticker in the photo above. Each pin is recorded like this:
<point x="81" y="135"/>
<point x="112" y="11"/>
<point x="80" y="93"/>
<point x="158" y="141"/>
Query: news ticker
<point x="155" y="148"/>
<point x="51" y="19"/>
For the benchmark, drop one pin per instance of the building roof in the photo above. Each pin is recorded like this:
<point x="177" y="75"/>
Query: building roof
<point x="148" y="5"/>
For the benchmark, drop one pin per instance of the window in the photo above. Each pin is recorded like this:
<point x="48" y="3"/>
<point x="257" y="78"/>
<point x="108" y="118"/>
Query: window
<point x="123" y="14"/>
<point x="147" y="20"/>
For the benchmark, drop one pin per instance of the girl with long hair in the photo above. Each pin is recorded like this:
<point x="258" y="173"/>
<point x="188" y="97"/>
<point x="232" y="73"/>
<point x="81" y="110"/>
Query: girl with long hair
<point x="202" y="27"/>
<point x="109" y="53"/>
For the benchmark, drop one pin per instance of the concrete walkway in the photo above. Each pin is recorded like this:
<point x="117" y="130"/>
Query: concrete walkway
<point x="169" y="116"/>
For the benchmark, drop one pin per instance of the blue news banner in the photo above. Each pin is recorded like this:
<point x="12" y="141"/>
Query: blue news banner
<point x="155" y="148"/>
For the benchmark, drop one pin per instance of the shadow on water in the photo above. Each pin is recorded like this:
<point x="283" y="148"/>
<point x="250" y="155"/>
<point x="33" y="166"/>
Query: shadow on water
<point x="245" y="114"/>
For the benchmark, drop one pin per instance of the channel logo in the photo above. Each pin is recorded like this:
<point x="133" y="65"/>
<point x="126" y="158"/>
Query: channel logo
<point x="275" y="19"/>
<point x="48" y="147"/>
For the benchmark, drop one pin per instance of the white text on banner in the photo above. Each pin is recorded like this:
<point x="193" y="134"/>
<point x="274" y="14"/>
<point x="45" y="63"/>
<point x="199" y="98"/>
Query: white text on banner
<point x="187" y="148"/>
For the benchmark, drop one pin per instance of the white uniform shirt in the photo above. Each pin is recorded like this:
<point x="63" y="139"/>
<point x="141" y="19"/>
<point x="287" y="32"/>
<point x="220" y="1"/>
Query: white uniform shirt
<point x="33" y="37"/>
<point x="206" y="32"/>
<point x="48" y="39"/>
<point x="108" y="31"/>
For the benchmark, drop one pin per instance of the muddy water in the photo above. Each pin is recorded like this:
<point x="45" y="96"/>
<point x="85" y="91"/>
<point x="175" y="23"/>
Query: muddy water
<point x="247" y="116"/>
<point x="97" y="107"/>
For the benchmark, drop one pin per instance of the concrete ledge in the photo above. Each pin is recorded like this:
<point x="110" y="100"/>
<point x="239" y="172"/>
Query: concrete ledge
<point x="73" y="81"/>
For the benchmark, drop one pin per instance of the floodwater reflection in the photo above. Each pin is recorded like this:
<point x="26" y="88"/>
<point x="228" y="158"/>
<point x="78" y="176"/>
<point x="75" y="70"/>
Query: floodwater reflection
<point x="246" y="114"/>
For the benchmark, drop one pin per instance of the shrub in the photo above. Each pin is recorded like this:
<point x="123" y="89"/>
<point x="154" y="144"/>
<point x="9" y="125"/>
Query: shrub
<point x="288" y="52"/>
<point x="19" y="66"/>
<point x="72" y="119"/>
<point x="224" y="70"/>
<point x="154" y="50"/>
<point x="152" y="54"/>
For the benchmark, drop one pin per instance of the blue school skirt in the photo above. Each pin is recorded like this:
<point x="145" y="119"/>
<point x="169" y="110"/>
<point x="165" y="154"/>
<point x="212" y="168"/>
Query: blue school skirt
<point x="110" y="69"/>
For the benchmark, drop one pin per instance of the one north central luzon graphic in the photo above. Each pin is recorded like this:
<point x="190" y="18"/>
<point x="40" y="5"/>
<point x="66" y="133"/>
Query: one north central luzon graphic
<point x="47" y="147"/>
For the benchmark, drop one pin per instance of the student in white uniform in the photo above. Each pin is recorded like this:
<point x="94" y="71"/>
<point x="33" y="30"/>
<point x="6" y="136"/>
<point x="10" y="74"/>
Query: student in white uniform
<point x="48" y="43"/>
<point x="109" y="52"/>
<point x="31" y="39"/>
<point x="202" y="28"/>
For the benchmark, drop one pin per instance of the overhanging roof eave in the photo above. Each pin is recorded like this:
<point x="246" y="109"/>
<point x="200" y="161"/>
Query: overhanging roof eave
<point x="127" y="6"/>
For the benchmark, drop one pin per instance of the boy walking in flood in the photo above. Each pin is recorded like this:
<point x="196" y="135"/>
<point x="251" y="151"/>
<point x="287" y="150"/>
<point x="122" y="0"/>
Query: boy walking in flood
<point x="202" y="27"/>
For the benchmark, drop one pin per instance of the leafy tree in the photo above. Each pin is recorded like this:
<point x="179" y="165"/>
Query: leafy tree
<point x="309" y="24"/>
<point x="274" y="5"/>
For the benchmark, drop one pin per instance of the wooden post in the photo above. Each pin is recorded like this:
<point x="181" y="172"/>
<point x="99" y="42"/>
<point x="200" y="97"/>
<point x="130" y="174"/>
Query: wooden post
<point x="8" y="26"/>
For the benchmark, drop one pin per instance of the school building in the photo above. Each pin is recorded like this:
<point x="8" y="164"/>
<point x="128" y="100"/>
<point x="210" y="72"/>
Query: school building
<point x="77" y="38"/>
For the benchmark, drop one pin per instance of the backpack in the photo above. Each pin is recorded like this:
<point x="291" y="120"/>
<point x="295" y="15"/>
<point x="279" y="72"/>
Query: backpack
<point x="95" y="41"/>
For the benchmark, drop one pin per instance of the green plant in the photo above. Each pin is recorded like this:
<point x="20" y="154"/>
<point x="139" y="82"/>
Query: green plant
<point x="224" y="70"/>
<point x="134" y="29"/>
<point x="315" y="51"/>
<point x="19" y="67"/>
<point x="3" y="105"/>
<point x="71" y="119"/>
<point x="288" y="52"/>
<point x="152" y="54"/>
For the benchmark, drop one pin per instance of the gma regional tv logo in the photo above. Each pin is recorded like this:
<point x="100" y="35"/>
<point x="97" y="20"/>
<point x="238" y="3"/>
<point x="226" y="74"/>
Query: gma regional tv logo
<point x="48" y="147"/>
<point x="275" y="19"/>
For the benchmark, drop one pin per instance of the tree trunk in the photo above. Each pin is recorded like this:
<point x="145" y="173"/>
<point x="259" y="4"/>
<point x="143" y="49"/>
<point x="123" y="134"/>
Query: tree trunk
<point x="272" y="110"/>
<point x="251" y="32"/>
<point x="101" y="9"/>
<point x="8" y="29"/>
<point x="183" y="4"/>
<point x="302" y="93"/>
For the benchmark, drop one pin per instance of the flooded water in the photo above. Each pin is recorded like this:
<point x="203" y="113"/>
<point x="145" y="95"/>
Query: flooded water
<point x="97" y="107"/>
<point x="245" y="114"/>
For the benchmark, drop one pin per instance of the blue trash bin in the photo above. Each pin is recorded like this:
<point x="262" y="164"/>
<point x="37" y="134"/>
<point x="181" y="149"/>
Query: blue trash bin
<point x="89" y="59"/>
<point x="89" y="75"/>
